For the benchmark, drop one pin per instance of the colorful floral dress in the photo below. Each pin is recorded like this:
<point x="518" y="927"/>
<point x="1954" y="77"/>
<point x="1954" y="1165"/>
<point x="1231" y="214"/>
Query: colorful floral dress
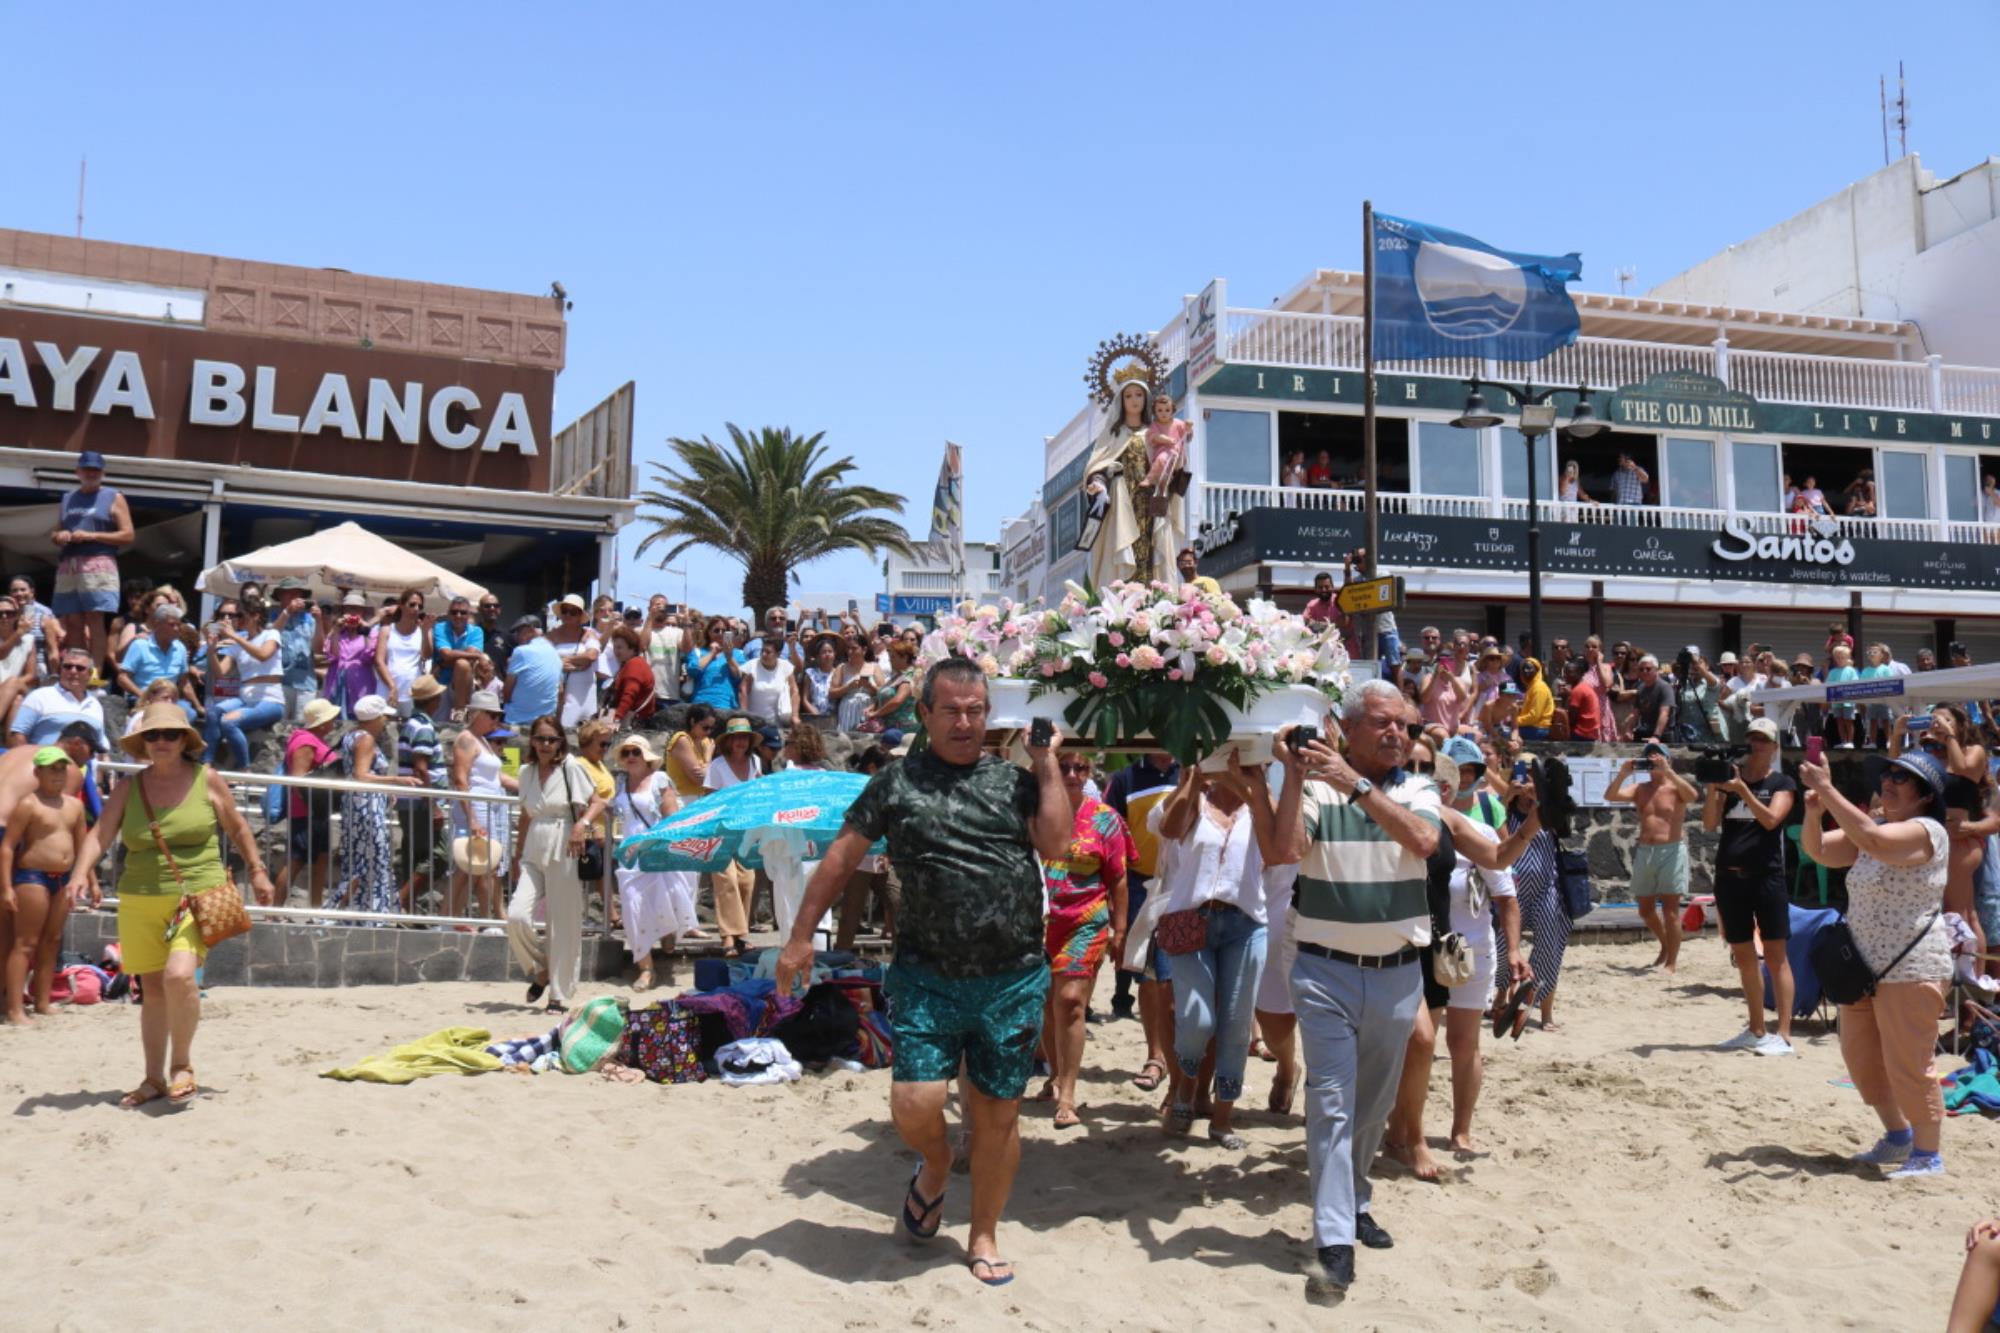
<point x="367" y="851"/>
<point x="1079" y="922"/>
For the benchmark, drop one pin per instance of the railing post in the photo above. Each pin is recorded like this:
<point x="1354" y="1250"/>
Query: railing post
<point x="1722" y="356"/>
<point x="1935" y="364"/>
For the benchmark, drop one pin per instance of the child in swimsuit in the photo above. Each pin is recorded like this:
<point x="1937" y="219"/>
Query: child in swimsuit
<point x="36" y="853"/>
<point x="1166" y="439"/>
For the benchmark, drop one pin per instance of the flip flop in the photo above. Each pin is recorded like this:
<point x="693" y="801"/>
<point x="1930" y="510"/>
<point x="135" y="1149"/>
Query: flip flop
<point x="913" y="1222"/>
<point x="1507" y="1014"/>
<point x="149" y="1090"/>
<point x="1146" y="1079"/>
<point x="1067" y="1118"/>
<point x="993" y="1266"/>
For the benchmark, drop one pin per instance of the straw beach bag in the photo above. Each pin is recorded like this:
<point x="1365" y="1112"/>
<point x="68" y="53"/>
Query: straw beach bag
<point x="218" y="913"/>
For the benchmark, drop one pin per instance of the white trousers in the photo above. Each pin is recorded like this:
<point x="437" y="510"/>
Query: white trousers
<point x="563" y="954"/>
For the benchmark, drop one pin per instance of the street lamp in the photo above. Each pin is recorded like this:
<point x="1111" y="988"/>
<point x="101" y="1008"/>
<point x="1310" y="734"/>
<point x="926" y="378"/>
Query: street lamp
<point x="1538" y="418"/>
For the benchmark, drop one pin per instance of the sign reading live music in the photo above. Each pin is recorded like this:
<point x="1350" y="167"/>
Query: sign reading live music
<point x="1813" y="554"/>
<point x="73" y="382"/>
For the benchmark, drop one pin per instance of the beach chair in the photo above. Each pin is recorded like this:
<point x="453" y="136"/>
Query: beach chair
<point x="1792" y="835"/>
<point x="1808" y="998"/>
<point x="1965" y="999"/>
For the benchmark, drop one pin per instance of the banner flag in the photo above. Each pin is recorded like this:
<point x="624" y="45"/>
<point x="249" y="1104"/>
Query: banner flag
<point x="948" y="507"/>
<point x="1441" y="293"/>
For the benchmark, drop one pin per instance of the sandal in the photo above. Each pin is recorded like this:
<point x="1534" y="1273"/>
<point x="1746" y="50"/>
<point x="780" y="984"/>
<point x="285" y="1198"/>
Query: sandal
<point x="1227" y="1138"/>
<point x="1178" y="1120"/>
<point x="1506" y="1014"/>
<point x="149" y="1090"/>
<point x="1260" y="1050"/>
<point x="182" y="1088"/>
<point x="1149" y="1075"/>
<point x="1048" y="1092"/>
<point x="1067" y="1118"/>
<point x="993" y="1266"/>
<point x="913" y="1218"/>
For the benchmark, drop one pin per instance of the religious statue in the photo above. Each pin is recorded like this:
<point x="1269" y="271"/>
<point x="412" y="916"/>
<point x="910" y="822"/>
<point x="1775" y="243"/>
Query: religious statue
<point x="1132" y="527"/>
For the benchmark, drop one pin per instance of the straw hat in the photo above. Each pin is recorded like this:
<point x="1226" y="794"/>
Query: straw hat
<point x="474" y="855"/>
<point x="484" y="701"/>
<point x="638" y="742"/>
<point x="162" y="717"/>
<point x="318" y="713"/>
<point x="425" y="688"/>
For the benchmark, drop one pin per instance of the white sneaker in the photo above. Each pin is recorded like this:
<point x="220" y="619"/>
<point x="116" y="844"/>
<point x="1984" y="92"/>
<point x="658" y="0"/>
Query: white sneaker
<point x="1746" y="1040"/>
<point x="1772" y="1044"/>
<point x="1931" y="1164"/>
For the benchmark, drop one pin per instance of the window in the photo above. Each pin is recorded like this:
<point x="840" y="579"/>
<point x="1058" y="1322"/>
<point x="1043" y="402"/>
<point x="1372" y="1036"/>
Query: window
<point x="1239" y="447"/>
<point x="1447" y="460"/>
<point x="1514" y="465"/>
<point x="1905" y="490"/>
<point x="1756" y="468"/>
<point x="1961" y="488"/>
<point x="1064" y="525"/>
<point x="926" y="582"/>
<point x="1691" y="474"/>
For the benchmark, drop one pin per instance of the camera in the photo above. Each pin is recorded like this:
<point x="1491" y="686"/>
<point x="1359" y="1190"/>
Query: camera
<point x="1301" y="737"/>
<point x="1717" y="763"/>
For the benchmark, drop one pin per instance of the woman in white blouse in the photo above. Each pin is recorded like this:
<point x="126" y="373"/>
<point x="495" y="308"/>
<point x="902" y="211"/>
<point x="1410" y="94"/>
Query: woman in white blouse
<point x="1895" y="893"/>
<point x="559" y="805"/>
<point x="1211" y="886"/>
<point x="659" y="904"/>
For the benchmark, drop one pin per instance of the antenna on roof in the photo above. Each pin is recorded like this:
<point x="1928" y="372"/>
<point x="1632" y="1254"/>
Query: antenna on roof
<point x="1625" y="276"/>
<point x="1902" y="114"/>
<point x="82" y="171"/>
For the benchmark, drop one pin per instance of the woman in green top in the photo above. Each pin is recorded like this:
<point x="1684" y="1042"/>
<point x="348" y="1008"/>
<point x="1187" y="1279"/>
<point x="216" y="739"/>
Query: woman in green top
<point x="192" y="805"/>
<point x="896" y="702"/>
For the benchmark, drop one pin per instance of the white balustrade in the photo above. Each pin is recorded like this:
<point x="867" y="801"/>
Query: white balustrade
<point x="1971" y="390"/>
<point x="1832" y="381"/>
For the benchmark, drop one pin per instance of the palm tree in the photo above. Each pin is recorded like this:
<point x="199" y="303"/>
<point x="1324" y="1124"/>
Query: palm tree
<point x="771" y="501"/>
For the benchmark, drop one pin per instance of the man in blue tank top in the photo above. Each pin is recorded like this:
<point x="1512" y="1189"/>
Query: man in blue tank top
<point x="94" y="524"/>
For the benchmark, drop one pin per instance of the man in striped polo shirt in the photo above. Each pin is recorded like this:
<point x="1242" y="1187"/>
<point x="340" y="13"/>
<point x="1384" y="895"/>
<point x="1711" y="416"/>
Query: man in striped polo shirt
<point x="1360" y="827"/>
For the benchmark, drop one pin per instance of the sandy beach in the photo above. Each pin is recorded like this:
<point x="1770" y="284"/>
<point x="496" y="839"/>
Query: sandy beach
<point x="1632" y="1179"/>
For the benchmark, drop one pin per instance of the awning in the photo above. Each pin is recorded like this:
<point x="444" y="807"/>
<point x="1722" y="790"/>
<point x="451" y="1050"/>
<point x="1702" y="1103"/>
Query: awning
<point x="344" y="556"/>
<point x="1973" y="682"/>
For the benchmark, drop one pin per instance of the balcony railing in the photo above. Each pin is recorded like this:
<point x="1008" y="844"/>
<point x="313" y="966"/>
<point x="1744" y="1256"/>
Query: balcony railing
<point x="1221" y="500"/>
<point x="1304" y="341"/>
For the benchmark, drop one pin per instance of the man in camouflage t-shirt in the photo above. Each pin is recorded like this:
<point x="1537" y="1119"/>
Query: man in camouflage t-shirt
<point x="969" y="980"/>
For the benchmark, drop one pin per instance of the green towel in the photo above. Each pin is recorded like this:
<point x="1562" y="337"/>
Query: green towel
<point x="452" y="1051"/>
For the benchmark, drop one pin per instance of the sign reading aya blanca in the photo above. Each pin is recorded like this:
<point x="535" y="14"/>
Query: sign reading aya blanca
<point x="1684" y="399"/>
<point x="228" y="394"/>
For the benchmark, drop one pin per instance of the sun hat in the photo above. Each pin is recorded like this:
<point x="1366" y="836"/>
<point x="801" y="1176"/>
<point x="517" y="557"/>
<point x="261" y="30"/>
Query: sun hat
<point x="1727" y="659"/>
<point x="638" y="742"/>
<point x="318" y="713"/>
<point x="1766" y="728"/>
<point x="425" y="687"/>
<point x="473" y="855"/>
<point x="592" y="1035"/>
<point x="369" y="707"/>
<point x="575" y="601"/>
<point x="1463" y="752"/>
<point x="739" y="726"/>
<point x="1922" y="765"/>
<point x="161" y="717"/>
<point x="483" y="701"/>
<point x="292" y="585"/>
<point x="50" y="755"/>
<point x="356" y="600"/>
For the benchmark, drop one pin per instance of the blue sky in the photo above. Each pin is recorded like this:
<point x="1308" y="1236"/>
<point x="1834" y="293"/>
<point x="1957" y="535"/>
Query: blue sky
<point x="899" y="224"/>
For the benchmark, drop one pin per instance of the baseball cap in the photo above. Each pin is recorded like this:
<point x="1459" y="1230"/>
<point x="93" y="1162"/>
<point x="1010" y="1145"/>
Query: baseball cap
<point x="90" y="458"/>
<point x="1462" y="752"/>
<point x="50" y="755"/>
<point x="527" y="622"/>
<point x="1765" y="727"/>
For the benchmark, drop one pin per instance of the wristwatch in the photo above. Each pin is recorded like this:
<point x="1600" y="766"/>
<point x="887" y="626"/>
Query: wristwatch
<point x="1362" y="786"/>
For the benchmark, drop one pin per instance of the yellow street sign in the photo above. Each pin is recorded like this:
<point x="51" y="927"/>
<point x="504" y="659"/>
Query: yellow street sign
<point x="1369" y="596"/>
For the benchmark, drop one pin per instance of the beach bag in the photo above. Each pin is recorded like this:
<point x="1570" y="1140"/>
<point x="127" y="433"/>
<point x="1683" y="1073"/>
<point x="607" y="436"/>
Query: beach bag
<point x="590" y="861"/>
<point x="274" y="803"/>
<point x="663" y="1043"/>
<point x="218" y="913"/>
<point x="1573" y="881"/>
<point x="1844" y="976"/>
<point x="1451" y="960"/>
<point x="1182" y="932"/>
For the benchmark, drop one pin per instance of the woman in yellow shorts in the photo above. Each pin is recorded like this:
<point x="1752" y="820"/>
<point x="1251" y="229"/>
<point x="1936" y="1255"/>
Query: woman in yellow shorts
<point x="193" y="806"/>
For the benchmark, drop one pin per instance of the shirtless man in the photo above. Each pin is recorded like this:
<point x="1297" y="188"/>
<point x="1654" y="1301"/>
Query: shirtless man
<point x="36" y="854"/>
<point x="1660" y="863"/>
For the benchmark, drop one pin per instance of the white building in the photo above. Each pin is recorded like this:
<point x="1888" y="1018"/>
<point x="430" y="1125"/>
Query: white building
<point x="927" y="584"/>
<point x="1900" y="245"/>
<point x="1024" y="554"/>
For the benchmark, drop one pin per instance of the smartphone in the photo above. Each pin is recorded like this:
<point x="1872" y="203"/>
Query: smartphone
<point x="673" y="608"/>
<point x="1815" y="749"/>
<point x="1520" y="770"/>
<point x="1041" y="733"/>
<point x="1301" y="737"/>
<point x="1917" y="723"/>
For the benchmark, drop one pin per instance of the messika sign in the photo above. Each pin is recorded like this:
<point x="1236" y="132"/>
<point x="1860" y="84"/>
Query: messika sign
<point x="229" y="394"/>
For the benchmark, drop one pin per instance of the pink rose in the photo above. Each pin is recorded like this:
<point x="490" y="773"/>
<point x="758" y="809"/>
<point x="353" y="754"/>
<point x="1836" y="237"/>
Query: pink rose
<point x="1098" y="680"/>
<point x="1048" y="668"/>
<point x="1117" y="640"/>
<point x="1218" y="655"/>
<point x="1175" y="674"/>
<point x="1124" y="659"/>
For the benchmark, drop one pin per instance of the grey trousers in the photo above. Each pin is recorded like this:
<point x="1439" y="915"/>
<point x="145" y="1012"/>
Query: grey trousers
<point x="1354" y="1024"/>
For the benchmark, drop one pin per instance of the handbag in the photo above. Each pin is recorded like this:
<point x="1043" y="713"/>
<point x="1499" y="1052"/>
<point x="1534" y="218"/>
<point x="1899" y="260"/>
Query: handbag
<point x="1182" y="932"/>
<point x="1844" y="975"/>
<point x="663" y="1042"/>
<point x="1451" y="960"/>
<point x="1573" y="880"/>
<point x="218" y="913"/>
<point x="589" y="861"/>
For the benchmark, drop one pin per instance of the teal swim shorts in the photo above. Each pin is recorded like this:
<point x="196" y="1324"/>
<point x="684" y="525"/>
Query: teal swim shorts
<point x="989" y="1023"/>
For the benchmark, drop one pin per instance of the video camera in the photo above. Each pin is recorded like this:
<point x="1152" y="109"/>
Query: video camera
<point x="1717" y="763"/>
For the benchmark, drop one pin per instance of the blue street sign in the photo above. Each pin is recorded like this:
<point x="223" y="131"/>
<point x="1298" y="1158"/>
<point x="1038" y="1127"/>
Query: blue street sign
<point x="1887" y="687"/>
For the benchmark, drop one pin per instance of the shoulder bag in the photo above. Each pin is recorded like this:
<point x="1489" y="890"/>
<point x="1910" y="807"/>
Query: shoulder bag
<point x="1573" y="880"/>
<point x="1844" y="976"/>
<point x="218" y="913"/>
<point x="590" y="861"/>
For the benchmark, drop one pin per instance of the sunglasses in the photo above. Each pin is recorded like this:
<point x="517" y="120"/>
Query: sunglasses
<point x="74" y="666"/>
<point x="160" y="734"/>
<point x="630" y="754"/>
<point x="461" y="611"/>
<point x="1898" y="776"/>
<point x="548" y="740"/>
<point x="1070" y="770"/>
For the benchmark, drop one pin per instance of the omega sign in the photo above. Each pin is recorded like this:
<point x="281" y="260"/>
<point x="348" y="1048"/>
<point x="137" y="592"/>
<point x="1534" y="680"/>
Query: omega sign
<point x="226" y="394"/>
<point x="1816" y="546"/>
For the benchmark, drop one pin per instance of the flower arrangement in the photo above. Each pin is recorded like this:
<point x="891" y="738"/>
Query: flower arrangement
<point x="1147" y="658"/>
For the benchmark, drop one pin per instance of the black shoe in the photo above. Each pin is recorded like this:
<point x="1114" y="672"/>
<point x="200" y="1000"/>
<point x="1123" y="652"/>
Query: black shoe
<point x="1123" y="1011"/>
<point x="1336" y="1266"/>
<point x="1370" y="1233"/>
<point x="535" y="989"/>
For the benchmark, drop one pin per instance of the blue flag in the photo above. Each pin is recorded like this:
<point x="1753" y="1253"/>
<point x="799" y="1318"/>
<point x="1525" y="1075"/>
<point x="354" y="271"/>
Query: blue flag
<point x="1440" y="293"/>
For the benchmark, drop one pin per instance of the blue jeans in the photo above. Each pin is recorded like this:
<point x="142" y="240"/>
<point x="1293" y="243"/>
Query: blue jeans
<point x="228" y="724"/>
<point x="1215" y="994"/>
<point x="1354" y="1024"/>
<point x="1534" y="733"/>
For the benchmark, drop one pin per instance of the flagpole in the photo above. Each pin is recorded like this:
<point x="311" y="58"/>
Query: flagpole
<point x="1370" y="518"/>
